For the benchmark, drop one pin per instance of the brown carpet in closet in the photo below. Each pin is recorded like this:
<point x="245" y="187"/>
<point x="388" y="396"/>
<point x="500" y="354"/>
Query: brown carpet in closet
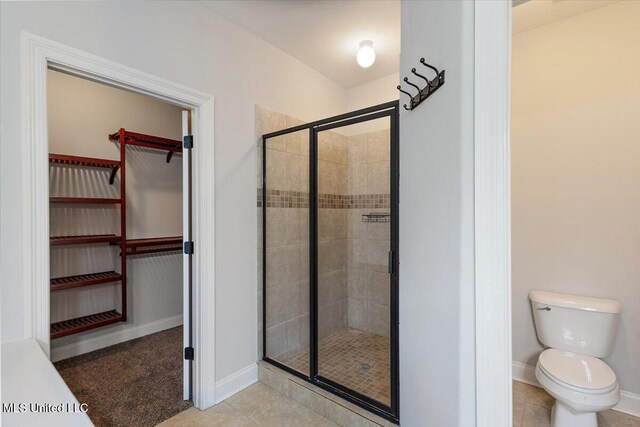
<point x="136" y="383"/>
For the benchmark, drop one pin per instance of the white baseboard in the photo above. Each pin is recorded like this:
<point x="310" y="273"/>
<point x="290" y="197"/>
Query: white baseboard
<point x="525" y="374"/>
<point x="112" y="338"/>
<point x="236" y="382"/>
<point x="629" y="402"/>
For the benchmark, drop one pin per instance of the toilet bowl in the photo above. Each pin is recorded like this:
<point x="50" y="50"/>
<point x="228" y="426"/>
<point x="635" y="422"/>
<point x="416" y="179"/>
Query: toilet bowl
<point x="577" y="331"/>
<point x="582" y="386"/>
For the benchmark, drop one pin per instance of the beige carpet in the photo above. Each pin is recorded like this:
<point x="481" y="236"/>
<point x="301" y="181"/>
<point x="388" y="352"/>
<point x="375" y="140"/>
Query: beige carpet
<point x="136" y="383"/>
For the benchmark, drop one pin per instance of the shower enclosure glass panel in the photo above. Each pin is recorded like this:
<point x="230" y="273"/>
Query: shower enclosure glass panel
<point x="330" y="259"/>
<point x="286" y="228"/>
<point x="354" y="235"/>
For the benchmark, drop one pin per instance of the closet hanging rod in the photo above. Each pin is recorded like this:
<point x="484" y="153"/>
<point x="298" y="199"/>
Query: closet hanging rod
<point x="83" y="239"/>
<point x="149" y="141"/>
<point x="153" y="241"/>
<point x="87" y="200"/>
<point x="153" y="245"/>
<point x="154" y="250"/>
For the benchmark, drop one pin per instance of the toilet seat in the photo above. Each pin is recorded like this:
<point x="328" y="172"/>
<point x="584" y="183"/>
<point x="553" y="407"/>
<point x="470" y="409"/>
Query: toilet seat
<point x="577" y="372"/>
<point x="579" y="383"/>
<point x="576" y="399"/>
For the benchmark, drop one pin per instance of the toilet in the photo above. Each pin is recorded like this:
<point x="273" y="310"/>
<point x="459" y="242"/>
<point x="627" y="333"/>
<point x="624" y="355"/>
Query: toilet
<point x="577" y="331"/>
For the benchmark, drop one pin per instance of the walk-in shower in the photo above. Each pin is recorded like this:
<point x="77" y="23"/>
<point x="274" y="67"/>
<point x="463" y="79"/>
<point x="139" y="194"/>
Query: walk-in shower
<point x="329" y="201"/>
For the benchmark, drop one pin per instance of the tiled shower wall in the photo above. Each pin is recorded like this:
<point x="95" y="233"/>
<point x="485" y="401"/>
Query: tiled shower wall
<point x="332" y="233"/>
<point x="353" y="287"/>
<point x="369" y="242"/>
<point x="287" y="246"/>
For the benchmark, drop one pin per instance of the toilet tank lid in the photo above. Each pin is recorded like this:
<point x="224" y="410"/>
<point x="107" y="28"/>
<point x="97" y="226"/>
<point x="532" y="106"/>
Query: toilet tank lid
<point x="577" y="302"/>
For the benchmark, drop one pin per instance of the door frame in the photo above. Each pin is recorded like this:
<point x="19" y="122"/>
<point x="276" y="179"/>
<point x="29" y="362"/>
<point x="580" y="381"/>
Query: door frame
<point x="492" y="207"/>
<point x="390" y="110"/>
<point x="38" y="54"/>
<point x="187" y="259"/>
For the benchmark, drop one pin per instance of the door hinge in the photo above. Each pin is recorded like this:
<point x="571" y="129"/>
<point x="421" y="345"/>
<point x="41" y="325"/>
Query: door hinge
<point x="188" y="247"/>
<point x="188" y="353"/>
<point x="188" y="141"/>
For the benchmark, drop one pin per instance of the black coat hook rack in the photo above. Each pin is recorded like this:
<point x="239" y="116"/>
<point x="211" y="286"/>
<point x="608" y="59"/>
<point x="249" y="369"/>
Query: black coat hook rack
<point x="430" y="87"/>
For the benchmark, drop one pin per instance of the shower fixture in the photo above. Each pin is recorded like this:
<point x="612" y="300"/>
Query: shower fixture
<point x="377" y="217"/>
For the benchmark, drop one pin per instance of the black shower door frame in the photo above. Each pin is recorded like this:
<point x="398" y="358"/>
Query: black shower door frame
<point x="390" y="110"/>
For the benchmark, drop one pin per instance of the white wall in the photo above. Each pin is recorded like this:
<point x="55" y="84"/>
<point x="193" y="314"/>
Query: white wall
<point x="575" y="172"/>
<point x="81" y="114"/>
<point x="369" y="94"/>
<point x="437" y="379"/>
<point x="187" y="43"/>
<point x="373" y="92"/>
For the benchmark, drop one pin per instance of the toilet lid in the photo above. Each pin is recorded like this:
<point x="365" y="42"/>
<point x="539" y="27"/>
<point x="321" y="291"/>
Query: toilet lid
<point x="577" y="370"/>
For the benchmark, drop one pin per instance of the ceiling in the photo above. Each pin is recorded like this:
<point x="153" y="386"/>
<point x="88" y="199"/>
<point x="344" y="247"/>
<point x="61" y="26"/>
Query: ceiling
<point x="528" y="15"/>
<point x="325" y="35"/>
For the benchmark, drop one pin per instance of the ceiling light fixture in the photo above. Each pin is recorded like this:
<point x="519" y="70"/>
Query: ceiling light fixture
<point x="366" y="55"/>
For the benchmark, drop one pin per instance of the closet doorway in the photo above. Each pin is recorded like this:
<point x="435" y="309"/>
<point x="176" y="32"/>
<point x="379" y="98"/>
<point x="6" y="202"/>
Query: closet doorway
<point x="120" y="249"/>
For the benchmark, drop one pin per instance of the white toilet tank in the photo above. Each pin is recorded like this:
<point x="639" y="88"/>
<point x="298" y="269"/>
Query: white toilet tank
<point x="576" y="323"/>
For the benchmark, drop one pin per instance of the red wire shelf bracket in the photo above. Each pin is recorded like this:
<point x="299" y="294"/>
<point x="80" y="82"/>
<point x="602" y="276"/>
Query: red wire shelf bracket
<point x="87" y="200"/>
<point x="149" y="141"/>
<point x="84" y="323"/>
<point x="153" y="245"/>
<point x="93" y="162"/>
<point x="83" y="240"/>
<point x="69" y="282"/>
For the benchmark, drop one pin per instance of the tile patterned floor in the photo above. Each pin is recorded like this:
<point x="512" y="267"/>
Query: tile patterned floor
<point x="257" y="405"/>
<point x="532" y="408"/>
<point x="356" y="359"/>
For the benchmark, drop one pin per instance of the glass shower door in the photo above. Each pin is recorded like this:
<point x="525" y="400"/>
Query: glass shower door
<point x="330" y="255"/>
<point x="354" y="262"/>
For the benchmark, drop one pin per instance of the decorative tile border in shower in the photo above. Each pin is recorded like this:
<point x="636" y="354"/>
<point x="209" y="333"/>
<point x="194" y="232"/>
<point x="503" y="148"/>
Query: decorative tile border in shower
<point x="285" y="199"/>
<point x="333" y="201"/>
<point x="299" y="199"/>
<point x="370" y="201"/>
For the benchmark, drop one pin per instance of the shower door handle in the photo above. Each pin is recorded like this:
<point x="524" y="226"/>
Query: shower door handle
<point x="390" y="266"/>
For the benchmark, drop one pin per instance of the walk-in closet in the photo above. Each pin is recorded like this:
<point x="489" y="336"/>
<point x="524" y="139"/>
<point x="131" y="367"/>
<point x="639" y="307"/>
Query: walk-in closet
<point x="116" y="249"/>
